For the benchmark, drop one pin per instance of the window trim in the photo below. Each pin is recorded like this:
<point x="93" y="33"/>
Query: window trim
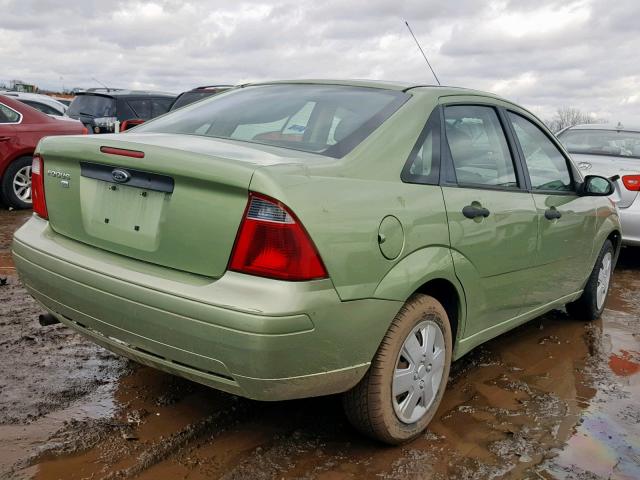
<point x="433" y="123"/>
<point x="451" y="179"/>
<point x="14" y="111"/>
<point x="568" y="162"/>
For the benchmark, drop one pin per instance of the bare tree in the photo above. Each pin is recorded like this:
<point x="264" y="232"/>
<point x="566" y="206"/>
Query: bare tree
<point x="568" y="117"/>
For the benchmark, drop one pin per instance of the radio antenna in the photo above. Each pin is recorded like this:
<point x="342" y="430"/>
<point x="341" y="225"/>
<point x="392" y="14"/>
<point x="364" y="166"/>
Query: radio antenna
<point x="422" y="51"/>
<point x="98" y="81"/>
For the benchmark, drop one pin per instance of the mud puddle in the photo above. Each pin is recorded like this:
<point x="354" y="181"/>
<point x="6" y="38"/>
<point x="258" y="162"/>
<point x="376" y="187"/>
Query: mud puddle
<point x="556" y="398"/>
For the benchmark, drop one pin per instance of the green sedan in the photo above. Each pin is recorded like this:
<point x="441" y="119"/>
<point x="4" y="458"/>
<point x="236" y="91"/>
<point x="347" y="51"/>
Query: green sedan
<point x="295" y="239"/>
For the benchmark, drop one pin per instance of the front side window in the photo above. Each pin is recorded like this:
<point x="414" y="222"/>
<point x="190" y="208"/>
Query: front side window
<point x="548" y="169"/>
<point x="8" y="115"/>
<point x="326" y="119"/>
<point x="479" y="148"/>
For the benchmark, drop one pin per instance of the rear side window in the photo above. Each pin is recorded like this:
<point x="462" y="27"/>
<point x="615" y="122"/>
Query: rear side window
<point x="42" y="107"/>
<point x="478" y="146"/>
<point x="423" y="165"/>
<point x="189" y="97"/>
<point x="8" y="115"/>
<point x="548" y="169"/>
<point x="160" y="106"/>
<point x="326" y="119"/>
<point x="92" y="106"/>
<point x="141" y="107"/>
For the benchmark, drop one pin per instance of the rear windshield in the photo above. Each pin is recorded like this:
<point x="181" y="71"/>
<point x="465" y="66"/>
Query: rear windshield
<point x="602" y="142"/>
<point x="326" y="119"/>
<point x="93" y="106"/>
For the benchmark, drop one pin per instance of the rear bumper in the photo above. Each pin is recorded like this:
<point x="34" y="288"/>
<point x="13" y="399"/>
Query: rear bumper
<point x="254" y="337"/>
<point x="630" y="222"/>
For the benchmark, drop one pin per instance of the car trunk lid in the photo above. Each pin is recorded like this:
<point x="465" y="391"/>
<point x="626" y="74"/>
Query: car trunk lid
<point x="608" y="166"/>
<point x="171" y="200"/>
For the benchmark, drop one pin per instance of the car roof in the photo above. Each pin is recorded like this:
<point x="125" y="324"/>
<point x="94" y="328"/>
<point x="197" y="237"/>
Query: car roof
<point x="382" y="84"/>
<point x="209" y="87"/>
<point x="120" y="92"/>
<point x="36" y="97"/>
<point x="28" y="112"/>
<point x="606" y="126"/>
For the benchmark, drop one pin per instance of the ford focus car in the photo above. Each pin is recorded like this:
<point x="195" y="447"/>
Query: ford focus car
<point x="296" y="239"/>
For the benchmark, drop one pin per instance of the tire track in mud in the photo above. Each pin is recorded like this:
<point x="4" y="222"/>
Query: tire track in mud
<point x="172" y="445"/>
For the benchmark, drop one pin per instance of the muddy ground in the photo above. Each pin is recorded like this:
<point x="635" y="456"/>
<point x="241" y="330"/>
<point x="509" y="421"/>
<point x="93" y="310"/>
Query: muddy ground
<point x="556" y="398"/>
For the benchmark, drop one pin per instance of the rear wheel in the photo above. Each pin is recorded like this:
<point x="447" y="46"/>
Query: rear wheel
<point x="591" y="304"/>
<point x="16" y="184"/>
<point x="399" y="395"/>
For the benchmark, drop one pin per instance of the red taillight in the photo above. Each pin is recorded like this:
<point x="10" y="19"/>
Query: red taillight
<point x="37" y="187"/>
<point x="85" y="131"/>
<point x="272" y="243"/>
<point x="632" y="182"/>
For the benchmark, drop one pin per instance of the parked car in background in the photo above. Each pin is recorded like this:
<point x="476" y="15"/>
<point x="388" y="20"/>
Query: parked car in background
<point x="44" y="103"/>
<point x="610" y="150"/>
<point x="64" y="101"/>
<point x="185" y="98"/>
<point x="99" y="109"/>
<point x="295" y="239"/>
<point x="21" y="128"/>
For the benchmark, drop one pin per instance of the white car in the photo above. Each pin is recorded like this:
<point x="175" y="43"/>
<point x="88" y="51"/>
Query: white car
<point x="609" y="150"/>
<point x="44" y="103"/>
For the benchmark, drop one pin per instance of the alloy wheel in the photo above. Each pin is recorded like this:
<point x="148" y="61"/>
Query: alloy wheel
<point x="22" y="184"/>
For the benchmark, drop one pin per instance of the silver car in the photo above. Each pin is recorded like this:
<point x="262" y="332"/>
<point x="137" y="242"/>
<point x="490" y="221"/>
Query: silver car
<point x="44" y="103"/>
<point x="610" y="150"/>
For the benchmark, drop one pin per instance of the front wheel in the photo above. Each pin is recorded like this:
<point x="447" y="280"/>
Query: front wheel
<point x="590" y="305"/>
<point x="399" y="395"/>
<point x="16" y="184"/>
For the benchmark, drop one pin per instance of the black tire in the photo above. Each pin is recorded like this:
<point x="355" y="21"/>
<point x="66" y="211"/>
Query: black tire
<point x="369" y="406"/>
<point x="9" y="197"/>
<point x="587" y="307"/>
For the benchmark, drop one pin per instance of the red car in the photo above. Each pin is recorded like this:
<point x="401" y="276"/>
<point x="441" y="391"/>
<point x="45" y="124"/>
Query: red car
<point x="21" y="128"/>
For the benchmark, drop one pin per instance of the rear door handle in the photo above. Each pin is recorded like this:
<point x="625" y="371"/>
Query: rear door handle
<point x="5" y="139"/>
<point x="474" y="211"/>
<point x="552" y="214"/>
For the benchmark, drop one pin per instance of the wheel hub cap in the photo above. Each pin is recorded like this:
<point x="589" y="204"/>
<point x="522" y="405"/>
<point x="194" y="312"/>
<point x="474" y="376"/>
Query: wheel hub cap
<point x="418" y="372"/>
<point x="604" y="278"/>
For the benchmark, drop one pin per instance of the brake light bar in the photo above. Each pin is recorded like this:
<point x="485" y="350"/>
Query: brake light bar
<point x="122" y="152"/>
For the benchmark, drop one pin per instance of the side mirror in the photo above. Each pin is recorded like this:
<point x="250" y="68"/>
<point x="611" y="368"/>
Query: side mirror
<point x="596" y="186"/>
<point x="127" y="124"/>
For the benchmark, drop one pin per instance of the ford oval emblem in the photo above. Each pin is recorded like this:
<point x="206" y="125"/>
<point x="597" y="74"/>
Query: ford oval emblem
<point x="121" y="176"/>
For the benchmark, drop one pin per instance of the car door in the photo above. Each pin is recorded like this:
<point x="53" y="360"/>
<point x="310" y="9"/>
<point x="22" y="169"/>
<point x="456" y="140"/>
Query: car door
<point x="8" y="119"/>
<point x="567" y="222"/>
<point x="492" y="217"/>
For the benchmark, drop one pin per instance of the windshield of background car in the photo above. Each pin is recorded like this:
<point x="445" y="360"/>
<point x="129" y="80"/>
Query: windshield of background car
<point x="93" y="106"/>
<point x="602" y="142"/>
<point x="327" y="119"/>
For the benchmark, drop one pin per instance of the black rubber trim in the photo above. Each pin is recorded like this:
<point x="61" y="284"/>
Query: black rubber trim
<point x="138" y="178"/>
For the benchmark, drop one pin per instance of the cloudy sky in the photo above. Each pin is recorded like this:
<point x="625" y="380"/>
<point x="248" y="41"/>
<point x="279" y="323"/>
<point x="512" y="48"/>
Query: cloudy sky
<point x="543" y="54"/>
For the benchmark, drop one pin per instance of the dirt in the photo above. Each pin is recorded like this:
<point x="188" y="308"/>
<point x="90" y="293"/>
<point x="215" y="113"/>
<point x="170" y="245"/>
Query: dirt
<point x="556" y="398"/>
